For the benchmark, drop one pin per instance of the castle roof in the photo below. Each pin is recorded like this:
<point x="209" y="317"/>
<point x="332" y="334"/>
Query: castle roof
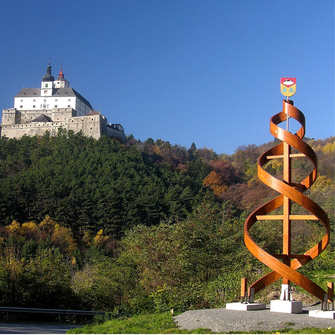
<point x="29" y="92"/>
<point x="42" y="118"/>
<point x="61" y="74"/>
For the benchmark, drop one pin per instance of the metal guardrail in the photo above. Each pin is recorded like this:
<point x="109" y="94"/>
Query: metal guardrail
<point x="59" y="312"/>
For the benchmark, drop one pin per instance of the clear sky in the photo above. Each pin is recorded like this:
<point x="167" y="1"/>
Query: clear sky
<point x="203" y="71"/>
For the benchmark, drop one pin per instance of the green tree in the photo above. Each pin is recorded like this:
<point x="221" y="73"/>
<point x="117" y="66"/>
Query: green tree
<point x="48" y="275"/>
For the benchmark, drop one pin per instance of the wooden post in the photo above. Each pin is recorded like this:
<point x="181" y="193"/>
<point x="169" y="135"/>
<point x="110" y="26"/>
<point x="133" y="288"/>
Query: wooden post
<point x="330" y="292"/>
<point x="325" y="302"/>
<point x="251" y="295"/>
<point x="287" y="202"/>
<point x="243" y="288"/>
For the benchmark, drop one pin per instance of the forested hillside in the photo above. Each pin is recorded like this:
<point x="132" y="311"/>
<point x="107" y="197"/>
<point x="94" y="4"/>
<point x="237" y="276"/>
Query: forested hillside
<point x="139" y="226"/>
<point x="88" y="185"/>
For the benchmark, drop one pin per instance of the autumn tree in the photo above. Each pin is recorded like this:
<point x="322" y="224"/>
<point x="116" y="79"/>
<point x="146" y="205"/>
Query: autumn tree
<point x="215" y="182"/>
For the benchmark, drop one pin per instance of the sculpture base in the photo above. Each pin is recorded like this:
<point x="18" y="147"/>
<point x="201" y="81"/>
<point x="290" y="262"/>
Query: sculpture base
<point x="322" y="314"/>
<point x="286" y="306"/>
<point x="238" y="306"/>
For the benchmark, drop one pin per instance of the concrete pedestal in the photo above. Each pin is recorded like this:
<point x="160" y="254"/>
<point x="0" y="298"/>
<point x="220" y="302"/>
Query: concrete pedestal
<point x="322" y="314"/>
<point x="286" y="306"/>
<point x="245" y="307"/>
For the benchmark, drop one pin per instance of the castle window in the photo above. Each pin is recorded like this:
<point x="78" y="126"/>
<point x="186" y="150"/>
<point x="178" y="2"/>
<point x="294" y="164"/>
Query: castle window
<point x="21" y="100"/>
<point x="69" y="105"/>
<point x="34" y="100"/>
<point x="46" y="85"/>
<point x="34" y="106"/>
<point x="21" y="106"/>
<point x="69" y="99"/>
<point x="56" y="99"/>
<point x="55" y="106"/>
<point x="45" y="92"/>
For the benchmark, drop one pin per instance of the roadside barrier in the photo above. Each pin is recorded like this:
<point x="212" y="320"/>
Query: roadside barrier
<point x="59" y="312"/>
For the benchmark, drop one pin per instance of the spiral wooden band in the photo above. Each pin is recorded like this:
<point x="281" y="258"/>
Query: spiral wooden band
<point x="294" y="192"/>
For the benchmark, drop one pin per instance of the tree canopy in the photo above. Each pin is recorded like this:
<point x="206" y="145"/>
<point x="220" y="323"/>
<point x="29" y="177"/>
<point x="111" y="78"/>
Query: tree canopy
<point x="139" y="226"/>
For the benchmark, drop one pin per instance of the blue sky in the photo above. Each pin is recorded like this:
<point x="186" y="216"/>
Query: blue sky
<point x="203" y="71"/>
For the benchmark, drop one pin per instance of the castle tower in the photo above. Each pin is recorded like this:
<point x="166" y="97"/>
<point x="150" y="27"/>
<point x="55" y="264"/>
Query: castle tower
<point x="61" y="82"/>
<point x="47" y="85"/>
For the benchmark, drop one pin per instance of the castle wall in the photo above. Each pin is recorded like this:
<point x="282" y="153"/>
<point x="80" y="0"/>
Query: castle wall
<point x="116" y="131"/>
<point x="12" y="116"/>
<point x="62" y="114"/>
<point x="9" y="116"/>
<point x="30" y="129"/>
<point x="92" y="126"/>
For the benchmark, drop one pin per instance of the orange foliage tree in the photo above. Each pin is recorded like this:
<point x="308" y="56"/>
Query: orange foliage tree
<point x="223" y="174"/>
<point x="215" y="182"/>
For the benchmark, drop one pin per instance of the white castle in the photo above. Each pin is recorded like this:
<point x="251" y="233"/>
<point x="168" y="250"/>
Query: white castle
<point x="55" y="105"/>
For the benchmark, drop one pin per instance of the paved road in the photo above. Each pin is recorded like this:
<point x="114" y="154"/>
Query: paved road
<point x="31" y="328"/>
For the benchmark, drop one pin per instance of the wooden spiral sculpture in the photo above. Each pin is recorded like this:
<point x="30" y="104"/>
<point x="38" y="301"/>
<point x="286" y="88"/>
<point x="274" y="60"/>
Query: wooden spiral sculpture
<point x="289" y="192"/>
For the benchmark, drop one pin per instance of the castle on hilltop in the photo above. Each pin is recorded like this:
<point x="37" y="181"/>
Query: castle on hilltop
<point x="52" y="106"/>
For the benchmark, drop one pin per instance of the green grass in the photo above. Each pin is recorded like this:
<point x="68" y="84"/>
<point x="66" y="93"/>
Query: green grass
<point x="163" y="323"/>
<point x="322" y="277"/>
